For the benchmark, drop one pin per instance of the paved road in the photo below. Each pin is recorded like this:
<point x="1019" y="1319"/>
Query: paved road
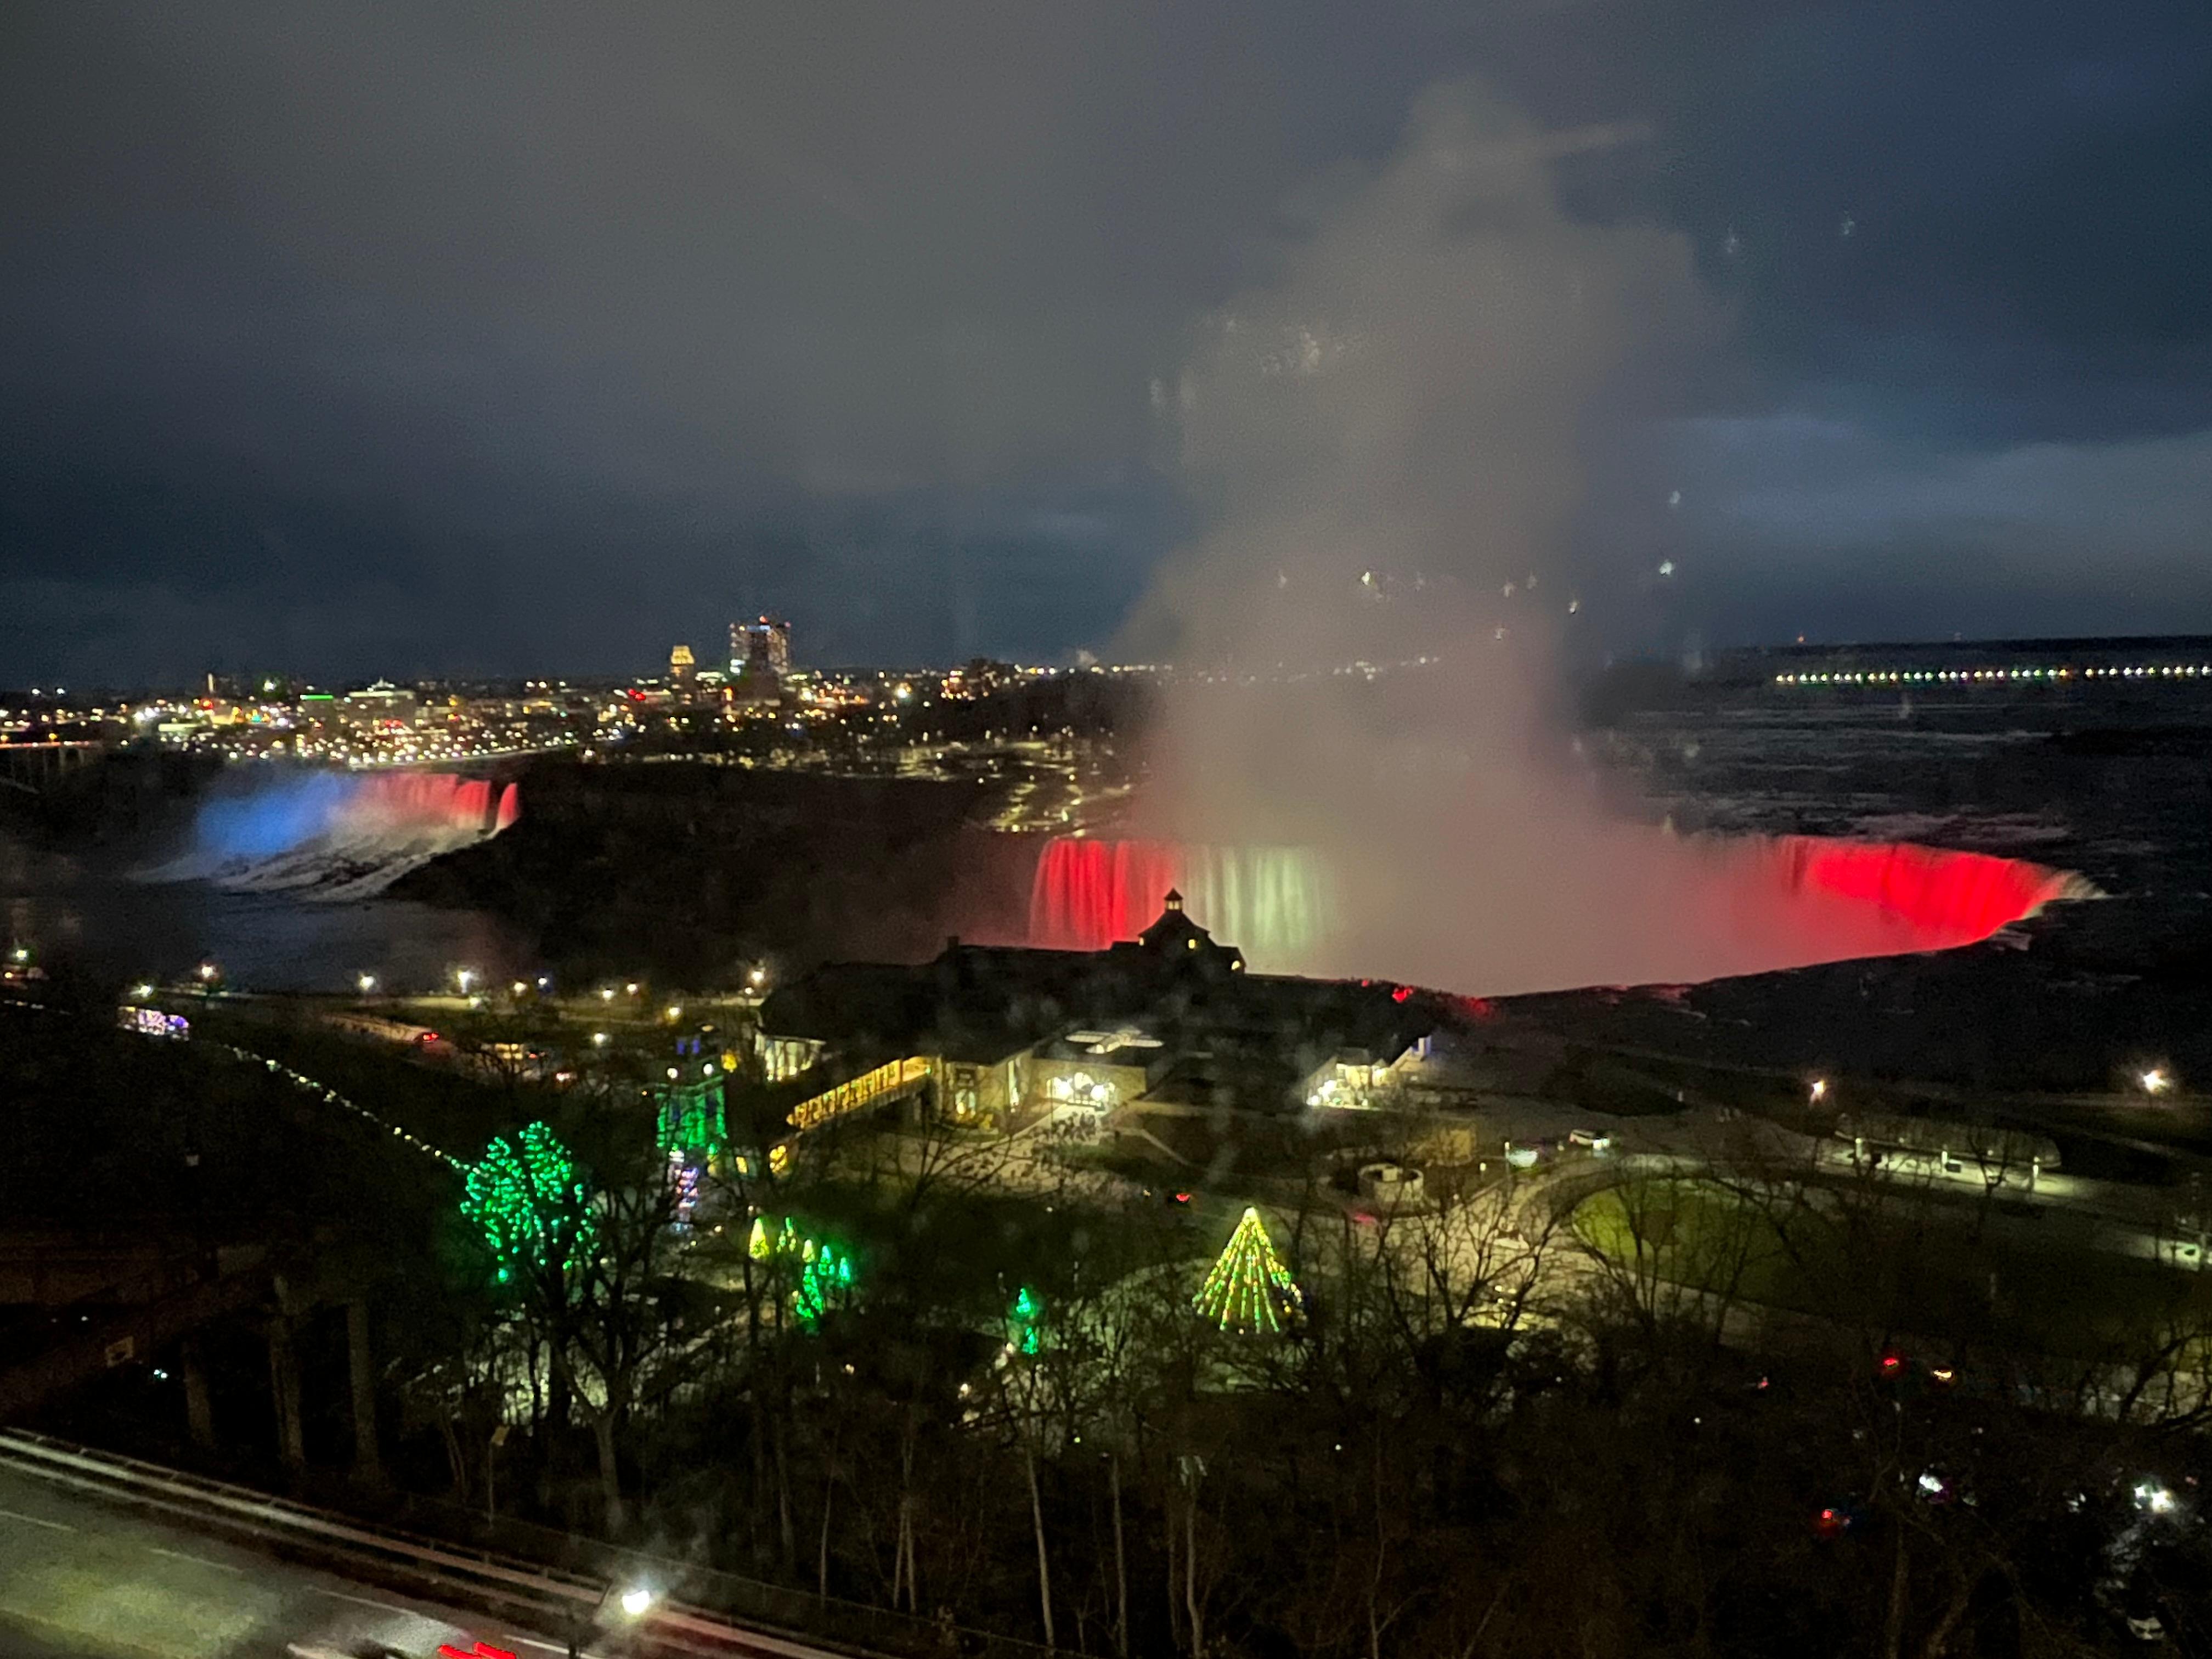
<point x="81" y="1579"/>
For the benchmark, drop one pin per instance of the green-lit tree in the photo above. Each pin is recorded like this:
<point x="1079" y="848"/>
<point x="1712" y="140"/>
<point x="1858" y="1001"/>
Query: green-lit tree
<point x="533" y="1207"/>
<point x="585" y="1259"/>
<point x="1247" y="1288"/>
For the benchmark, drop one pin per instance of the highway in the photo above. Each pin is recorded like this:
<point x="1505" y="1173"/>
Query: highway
<point x="80" y="1576"/>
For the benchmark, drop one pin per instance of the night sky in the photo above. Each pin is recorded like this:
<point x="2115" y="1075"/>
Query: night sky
<point x="416" y="338"/>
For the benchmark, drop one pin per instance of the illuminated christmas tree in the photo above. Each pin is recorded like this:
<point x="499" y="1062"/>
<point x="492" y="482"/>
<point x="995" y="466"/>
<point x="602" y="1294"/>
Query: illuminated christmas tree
<point x="1247" y="1288"/>
<point x="533" y="1207"/>
<point x="1022" y="1321"/>
<point x="691" y="1122"/>
<point x="825" y="1282"/>
<point x="820" y="1275"/>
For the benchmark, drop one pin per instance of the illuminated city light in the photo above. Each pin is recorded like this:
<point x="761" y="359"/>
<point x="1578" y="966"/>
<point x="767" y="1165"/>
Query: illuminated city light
<point x="1820" y="1089"/>
<point x="2155" y="1081"/>
<point x="1986" y="676"/>
<point x="365" y="983"/>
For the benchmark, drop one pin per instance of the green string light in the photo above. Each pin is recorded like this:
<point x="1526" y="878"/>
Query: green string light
<point x="824" y="1273"/>
<point x="1247" y="1288"/>
<point x="1024" y="1321"/>
<point x="531" y="1204"/>
<point x="691" y="1120"/>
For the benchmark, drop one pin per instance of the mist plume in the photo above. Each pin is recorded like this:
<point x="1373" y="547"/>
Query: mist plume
<point x="1386" y="440"/>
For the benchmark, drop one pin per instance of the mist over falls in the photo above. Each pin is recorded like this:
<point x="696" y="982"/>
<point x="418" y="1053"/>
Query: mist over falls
<point x="335" y="835"/>
<point x="1365" y="767"/>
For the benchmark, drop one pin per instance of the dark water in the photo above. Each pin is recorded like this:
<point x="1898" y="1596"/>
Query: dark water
<point x="2115" y="784"/>
<point x="85" y="915"/>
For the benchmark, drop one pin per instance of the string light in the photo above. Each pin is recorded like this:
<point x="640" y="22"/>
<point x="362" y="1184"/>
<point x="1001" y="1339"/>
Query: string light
<point x="692" y="1121"/>
<point x="1024" y="1321"/>
<point x="531" y="1204"/>
<point x="824" y="1272"/>
<point x="1247" y="1288"/>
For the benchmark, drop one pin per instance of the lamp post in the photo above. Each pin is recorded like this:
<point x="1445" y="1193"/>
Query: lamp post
<point x="632" y="1602"/>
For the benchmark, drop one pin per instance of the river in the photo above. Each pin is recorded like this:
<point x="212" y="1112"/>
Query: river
<point x="84" y="914"/>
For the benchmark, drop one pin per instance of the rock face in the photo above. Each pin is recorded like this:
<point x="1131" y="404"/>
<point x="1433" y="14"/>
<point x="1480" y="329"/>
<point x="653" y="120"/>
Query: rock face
<point x="692" y="872"/>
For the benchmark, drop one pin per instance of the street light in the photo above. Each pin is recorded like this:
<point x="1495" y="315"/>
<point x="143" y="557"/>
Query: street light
<point x="2155" y="1081"/>
<point x="464" y="978"/>
<point x="2151" y="1496"/>
<point x="367" y="982"/>
<point x="634" y="1601"/>
<point x="607" y="993"/>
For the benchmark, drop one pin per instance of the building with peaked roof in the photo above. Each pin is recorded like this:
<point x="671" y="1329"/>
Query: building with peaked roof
<point x="988" y="1037"/>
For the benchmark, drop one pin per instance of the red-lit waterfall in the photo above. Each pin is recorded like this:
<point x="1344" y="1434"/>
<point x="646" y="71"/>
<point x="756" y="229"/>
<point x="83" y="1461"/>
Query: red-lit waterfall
<point x="1936" y="899"/>
<point x="1274" y="901"/>
<point x="432" y="801"/>
<point x="1661" y="910"/>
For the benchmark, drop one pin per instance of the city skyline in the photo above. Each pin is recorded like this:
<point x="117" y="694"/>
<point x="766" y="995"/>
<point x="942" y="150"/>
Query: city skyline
<point x="347" y="344"/>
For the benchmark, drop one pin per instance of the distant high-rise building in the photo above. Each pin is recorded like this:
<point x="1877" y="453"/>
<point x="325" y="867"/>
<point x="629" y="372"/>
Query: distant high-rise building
<point x="380" y="706"/>
<point x="682" y="667"/>
<point x="764" y="644"/>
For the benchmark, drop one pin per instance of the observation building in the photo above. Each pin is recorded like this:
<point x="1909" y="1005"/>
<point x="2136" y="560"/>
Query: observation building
<point x="988" y="1037"/>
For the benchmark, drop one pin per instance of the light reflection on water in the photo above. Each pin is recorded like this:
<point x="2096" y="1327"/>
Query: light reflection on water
<point x="82" y="914"/>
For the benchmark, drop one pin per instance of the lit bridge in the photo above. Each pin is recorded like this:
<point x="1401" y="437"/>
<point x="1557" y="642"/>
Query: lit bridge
<point x="30" y="767"/>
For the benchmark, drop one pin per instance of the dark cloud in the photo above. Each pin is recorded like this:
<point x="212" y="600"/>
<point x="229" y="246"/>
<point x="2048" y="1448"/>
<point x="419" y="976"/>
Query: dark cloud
<point x="413" y="336"/>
